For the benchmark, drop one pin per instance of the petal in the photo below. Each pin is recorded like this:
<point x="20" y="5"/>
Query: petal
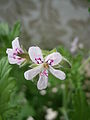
<point x="12" y="60"/>
<point x="57" y="73"/>
<point x="15" y="43"/>
<point x="35" y="54"/>
<point x="10" y="56"/>
<point x="17" y="60"/>
<point x="9" y="51"/>
<point x="30" y="74"/>
<point x="54" y="58"/>
<point x="42" y="82"/>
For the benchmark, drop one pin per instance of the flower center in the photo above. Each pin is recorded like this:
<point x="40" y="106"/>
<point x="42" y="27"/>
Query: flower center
<point x="17" y="53"/>
<point x="45" y="65"/>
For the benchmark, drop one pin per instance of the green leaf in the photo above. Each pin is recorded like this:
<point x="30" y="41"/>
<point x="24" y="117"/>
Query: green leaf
<point x="53" y="50"/>
<point x="0" y="117"/>
<point x="15" y="31"/>
<point x="81" y="109"/>
<point x="7" y="85"/>
<point x="7" y="35"/>
<point x="88" y="9"/>
<point x="65" y="53"/>
<point x="65" y="63"/>
<point x="46" y="52"/>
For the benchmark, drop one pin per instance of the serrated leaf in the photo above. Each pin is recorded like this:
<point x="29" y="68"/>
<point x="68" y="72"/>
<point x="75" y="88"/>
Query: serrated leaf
<point x="7" y="84"/>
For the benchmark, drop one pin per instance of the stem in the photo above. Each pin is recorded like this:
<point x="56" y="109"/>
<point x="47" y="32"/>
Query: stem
<point x="65" y="115"/>
<point x="64" y="109"/>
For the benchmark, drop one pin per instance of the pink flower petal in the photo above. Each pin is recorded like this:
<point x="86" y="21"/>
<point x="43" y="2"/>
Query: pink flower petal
<point x="43" y="81"/>
<point x="30" y="74"/>
<point x="13" y="58"/>
<point x="54" y="58"/>
<point x="57" y="73"/>
<point x="10" y="51"/>
<point x="15" y="43"/>
<point x="35" y="54"/>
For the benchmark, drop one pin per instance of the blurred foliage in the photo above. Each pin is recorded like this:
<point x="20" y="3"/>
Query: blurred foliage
<point x="7" y="89"/>
<point x="20" y="99"/>
<point x="89" y="7"/>
<point x="7" y="35"/>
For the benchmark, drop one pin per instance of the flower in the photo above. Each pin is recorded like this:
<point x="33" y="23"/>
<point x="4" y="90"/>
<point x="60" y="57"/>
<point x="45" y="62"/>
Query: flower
<point x="30" y="118"/>
<point x="51" y="114"/>
<point x="74" y="45"/>
<point x="43" y="66"/>
<point x="13" y="54"/>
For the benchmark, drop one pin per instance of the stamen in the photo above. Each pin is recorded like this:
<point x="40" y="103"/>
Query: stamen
<point x="45" y="65"/>
<point x="18" y="51"/>
<point x="19" y="58"/>
<point x="15" y="54"/>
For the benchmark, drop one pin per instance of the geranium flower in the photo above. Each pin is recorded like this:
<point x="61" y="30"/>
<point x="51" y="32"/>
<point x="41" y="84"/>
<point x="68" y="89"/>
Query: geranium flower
<point x="13" y="54"/>
<point x="43" y="66"/>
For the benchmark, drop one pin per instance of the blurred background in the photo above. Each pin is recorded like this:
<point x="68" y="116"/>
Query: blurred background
<point x="60" y="24"/>
<point x="49" y="23"/>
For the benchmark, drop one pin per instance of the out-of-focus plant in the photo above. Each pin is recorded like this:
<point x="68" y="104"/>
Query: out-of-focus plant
<point x="7" y="35"/>
<point x="66" y="99"/>
<point x="7" y="89"/>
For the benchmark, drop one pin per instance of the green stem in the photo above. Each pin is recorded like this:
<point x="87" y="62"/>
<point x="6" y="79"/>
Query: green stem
<point x="65" y="113"/>
<point x="64" y="109"/>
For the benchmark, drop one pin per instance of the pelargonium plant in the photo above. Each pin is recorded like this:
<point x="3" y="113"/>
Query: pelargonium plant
<point x="42" y="65"/>
<point x="15" y="52"/>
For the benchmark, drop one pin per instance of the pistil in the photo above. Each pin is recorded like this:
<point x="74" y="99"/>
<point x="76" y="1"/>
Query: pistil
<point x="45" y="65"/>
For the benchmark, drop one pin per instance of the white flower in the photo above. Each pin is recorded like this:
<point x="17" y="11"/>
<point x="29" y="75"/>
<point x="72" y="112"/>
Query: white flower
<point x="74" y="45"/>
<point x="54" y="90"/>
<point x="51" y="114"/>
<point x="43" y="92"/>
<point x="13" y="54"/>
<point x="30" y="118"/>
<point x="44" y="65"/>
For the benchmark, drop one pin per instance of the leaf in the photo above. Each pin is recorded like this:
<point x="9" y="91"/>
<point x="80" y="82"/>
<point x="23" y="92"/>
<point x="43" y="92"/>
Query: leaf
<point x="0" y="117"/>
<point x="53" y="50"/>
<point x="81" y="110"/>
<point x="64" y="52"/>
<point x="88" y="9"/>
<point x="65" y="63"/>
<point x="15" y="31"/>
<point x="7" y="35"/>
<point x="47" y="52"/>
<point x="7" y="85"/>
<point x="4" y="29"/>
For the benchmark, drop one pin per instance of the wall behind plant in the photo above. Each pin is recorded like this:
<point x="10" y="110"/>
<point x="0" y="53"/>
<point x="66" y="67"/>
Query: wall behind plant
<point x="44" y="21"/>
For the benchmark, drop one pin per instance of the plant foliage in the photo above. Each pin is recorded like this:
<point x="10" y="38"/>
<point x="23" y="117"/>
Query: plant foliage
<point x="20" y="99"/>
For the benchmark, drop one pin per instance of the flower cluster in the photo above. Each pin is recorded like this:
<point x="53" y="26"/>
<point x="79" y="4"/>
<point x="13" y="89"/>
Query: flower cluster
<point x="43" y="65"/>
